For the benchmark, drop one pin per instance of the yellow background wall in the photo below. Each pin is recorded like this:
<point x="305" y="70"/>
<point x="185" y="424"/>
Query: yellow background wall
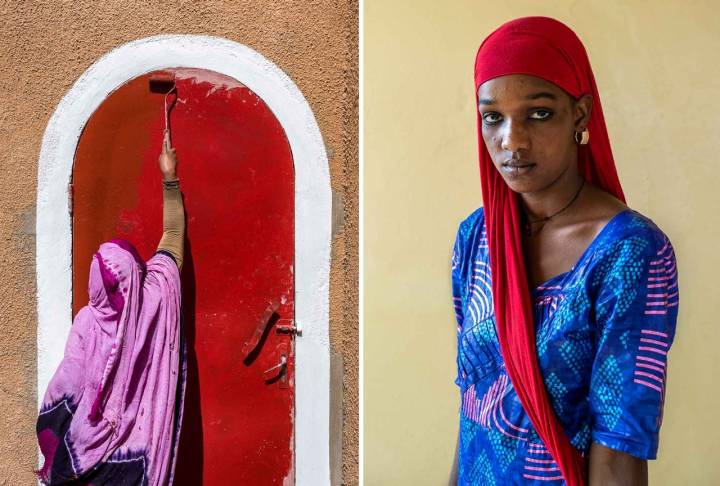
<point x="658" y="73"/>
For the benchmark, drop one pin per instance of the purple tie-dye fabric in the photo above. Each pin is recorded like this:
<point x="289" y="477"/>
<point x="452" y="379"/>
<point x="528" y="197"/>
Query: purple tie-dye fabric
<point x="109" y="415"/>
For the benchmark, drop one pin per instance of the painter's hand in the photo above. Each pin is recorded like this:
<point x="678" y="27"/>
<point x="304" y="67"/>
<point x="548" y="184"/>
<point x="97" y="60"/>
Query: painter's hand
<point x="167" y="160"/>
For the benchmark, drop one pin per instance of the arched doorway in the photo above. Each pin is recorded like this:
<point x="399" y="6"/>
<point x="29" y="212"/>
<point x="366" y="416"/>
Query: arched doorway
<point x="285" y="132"/>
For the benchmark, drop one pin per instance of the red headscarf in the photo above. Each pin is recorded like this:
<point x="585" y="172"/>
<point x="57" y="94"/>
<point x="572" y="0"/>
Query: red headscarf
<point x="548" y="49"/>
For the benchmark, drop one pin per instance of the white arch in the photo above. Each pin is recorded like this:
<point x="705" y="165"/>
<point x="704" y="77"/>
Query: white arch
<point x="312" y="215"/>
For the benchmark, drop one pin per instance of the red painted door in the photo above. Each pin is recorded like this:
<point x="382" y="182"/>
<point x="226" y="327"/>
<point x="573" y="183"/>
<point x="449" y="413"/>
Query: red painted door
<point x="236" y="173"/>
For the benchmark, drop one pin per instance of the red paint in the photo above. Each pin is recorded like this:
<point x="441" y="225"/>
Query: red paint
<point x="236" y="172"/>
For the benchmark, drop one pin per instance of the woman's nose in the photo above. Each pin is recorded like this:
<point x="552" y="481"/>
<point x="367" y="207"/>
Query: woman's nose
<point x="515" y="137"/>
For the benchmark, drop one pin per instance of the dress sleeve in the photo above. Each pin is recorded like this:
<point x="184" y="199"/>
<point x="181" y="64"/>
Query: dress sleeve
<point x="456" y="272"/>
<point x="457" y="281"/>
<point x="461" y="260"/>
<point x="459" y="263"/>
<point x="636" y="312"/>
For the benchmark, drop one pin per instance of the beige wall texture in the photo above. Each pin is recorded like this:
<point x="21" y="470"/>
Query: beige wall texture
<point x="659" y="78"/>
<point x="45" y="46"/>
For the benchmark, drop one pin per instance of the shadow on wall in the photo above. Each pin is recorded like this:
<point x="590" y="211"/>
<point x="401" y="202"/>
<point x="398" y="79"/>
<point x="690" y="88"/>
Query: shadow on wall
<point x="189" y="466"/>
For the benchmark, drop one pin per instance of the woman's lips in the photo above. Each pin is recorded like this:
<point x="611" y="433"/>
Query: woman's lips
<point x="517" y="168"/>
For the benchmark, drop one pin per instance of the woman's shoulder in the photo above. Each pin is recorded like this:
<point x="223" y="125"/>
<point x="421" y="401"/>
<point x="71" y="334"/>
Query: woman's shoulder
<point x="166" y="253"/>
<point x="471" y="225"/>
<point x="637" y="226"/>
<point x="633" y="236"/>
<point x="162" y="261"/>
<point x="469" y="231"/>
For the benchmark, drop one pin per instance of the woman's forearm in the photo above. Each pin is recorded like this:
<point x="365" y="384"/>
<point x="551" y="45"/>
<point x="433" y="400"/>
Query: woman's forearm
<point x="608" y="467"/>
<point x="173" y="238"/>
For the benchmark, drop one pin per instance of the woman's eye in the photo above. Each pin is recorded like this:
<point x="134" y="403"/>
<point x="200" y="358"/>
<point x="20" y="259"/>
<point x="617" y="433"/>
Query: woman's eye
<point x="541" y="114"/>
<point x="491" y="118"/>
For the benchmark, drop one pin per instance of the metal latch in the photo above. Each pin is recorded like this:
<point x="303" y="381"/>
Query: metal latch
<point x="262" y="325"/>
<point x="270" y="373"/>
<point x="288" y="328"/>
<point x="279" y="372"/>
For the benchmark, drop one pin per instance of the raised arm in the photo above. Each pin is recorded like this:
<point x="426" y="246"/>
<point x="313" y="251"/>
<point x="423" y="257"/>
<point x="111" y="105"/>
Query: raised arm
<point x="173" y="238"/>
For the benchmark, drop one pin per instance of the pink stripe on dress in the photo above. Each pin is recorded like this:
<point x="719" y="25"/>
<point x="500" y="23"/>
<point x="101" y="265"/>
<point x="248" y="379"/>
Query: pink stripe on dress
<point x="502" y="430"/>
<point x="652" y="350"/>
<point x="651" y="360"/>
<point x="537" y="468"/>
<point x="654" y="341"/>
<point x="650" y="367"/>
<point x="649" y="375"/>
<point x="656" y="333"/>
<point x="539" y="461"/>
<point x="542" y="478"/>
<point x="538" y="451"/>
<point x="649" y="385"/>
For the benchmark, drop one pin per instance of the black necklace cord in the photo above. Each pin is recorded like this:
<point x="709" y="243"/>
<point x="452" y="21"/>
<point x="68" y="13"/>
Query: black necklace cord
<point x="528" y="224"/>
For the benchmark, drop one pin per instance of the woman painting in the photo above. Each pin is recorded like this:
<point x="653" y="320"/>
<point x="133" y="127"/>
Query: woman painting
<point x="566" y="299"/>
<point x="112" y="412"/>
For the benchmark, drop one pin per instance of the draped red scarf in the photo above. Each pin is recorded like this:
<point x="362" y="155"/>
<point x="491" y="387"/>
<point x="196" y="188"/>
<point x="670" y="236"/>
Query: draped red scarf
<point x="548" y="49"/>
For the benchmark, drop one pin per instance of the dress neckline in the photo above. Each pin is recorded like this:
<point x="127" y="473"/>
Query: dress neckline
<point x="552" y="282"/>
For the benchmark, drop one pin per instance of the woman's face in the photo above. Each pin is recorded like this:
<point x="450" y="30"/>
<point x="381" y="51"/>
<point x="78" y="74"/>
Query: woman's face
<point x="528" y="125"/>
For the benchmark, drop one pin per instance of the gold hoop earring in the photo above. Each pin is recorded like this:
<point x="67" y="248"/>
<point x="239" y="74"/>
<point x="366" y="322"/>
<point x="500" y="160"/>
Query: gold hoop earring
<point x="582" y="137"/>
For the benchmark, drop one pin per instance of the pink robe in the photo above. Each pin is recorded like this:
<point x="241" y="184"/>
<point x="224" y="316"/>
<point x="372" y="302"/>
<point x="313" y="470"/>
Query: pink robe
<point x="112" y="411"/>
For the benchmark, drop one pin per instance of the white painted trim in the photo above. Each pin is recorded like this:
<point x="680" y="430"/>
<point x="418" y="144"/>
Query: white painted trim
<point x="312" y="215"/>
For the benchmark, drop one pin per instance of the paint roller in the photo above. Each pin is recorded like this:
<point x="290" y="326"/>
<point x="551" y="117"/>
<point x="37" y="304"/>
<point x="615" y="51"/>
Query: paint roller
<point x="164" y="82"/>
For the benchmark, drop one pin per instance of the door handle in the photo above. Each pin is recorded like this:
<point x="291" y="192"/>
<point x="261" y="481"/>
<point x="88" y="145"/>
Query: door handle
<point x="262" y="325"/>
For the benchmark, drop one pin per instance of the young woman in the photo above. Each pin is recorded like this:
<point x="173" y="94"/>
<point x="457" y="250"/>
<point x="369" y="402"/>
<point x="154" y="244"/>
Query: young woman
<point x="112" y="411"/>
<point x="566" y="299"/>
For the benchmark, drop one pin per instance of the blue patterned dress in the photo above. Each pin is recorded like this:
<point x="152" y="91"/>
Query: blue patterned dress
<point x="603" y="331"/>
